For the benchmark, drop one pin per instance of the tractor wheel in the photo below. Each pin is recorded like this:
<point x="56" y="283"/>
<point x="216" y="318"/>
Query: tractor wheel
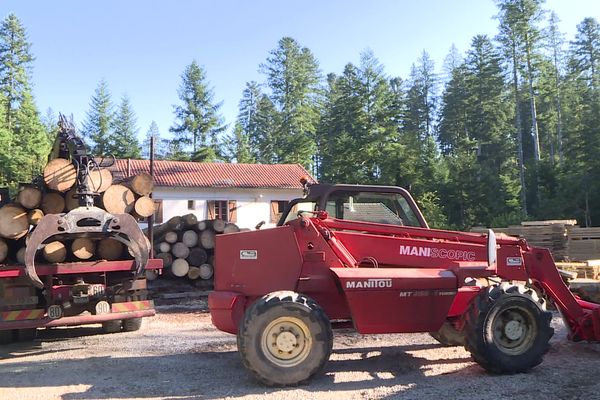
<point x="132" y="324"/>
<point x="508" y="329"/>
<point x="285" y="338"/>
<point x="113" y="326"/>
<point x="26" y="335"/>
<point x="448" y="335"/>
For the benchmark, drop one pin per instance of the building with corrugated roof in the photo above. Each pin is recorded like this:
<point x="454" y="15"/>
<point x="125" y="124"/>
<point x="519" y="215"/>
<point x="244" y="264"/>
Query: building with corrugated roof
<point x="245" y="194"/>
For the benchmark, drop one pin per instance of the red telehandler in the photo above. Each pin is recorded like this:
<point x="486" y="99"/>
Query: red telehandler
<point x="61" y="294"/>
<point x="364" y="257"/>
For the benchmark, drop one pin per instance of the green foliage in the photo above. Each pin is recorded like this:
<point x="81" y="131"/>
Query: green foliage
<point x="159" y="144"/>
<point x="124" y="143"/>
<point x="97" y="128"/>
<point x="198" y="123"/>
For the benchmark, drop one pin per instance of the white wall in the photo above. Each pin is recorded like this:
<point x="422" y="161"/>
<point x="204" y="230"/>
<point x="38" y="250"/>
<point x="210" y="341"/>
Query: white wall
<point x="253" y="205"/>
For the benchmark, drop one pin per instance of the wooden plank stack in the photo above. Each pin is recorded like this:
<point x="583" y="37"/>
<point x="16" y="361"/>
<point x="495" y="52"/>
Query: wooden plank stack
<point x="55" y="193"/>
<point x="186" y="247"/>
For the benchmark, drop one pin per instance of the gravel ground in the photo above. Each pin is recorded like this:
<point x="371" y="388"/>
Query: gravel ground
<point x="179" y="355"/>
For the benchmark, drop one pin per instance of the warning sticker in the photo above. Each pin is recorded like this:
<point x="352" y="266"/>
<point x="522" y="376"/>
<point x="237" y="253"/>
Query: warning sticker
<point x="248" y="254"/>
<point x="514" y="261"/>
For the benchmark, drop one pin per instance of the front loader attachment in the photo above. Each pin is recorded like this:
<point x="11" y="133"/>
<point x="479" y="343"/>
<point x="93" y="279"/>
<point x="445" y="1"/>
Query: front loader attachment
<point x="91" y="222"/>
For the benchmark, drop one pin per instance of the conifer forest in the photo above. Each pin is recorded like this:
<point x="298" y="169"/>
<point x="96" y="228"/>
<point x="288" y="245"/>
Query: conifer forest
<point x="506" y="131"/>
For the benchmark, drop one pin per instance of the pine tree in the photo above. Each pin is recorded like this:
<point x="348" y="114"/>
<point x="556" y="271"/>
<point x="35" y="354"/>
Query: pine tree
<point x="265" y="140"/>
<point x="293" y="77"/>
<point x="124" y="142"/>
<point x="159" y="144"/>
<point x="97" y="127"/>
<point x="237" y="146"/>
<point x="198" y="123"/>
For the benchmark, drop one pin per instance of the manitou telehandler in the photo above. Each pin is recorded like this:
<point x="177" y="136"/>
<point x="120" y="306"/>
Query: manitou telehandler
<point x="364" y="257"/>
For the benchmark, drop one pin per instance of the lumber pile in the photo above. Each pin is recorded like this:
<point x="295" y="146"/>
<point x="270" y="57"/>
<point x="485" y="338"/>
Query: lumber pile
<point x="589" y="269"/>
<point x="583" y="243"/>
<point x="55" y="192"/>
<point x="186" y="247"/>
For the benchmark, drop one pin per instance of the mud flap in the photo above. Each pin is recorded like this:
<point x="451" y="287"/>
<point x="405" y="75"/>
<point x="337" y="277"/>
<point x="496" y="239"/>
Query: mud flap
<point x="87" y="221"/>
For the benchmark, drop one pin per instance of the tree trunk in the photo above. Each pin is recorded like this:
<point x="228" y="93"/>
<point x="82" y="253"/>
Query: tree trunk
<point x="20" y="256"/>
<point x="207" y="239"/>
<point x="34" y="216"/>
<point x="164" y="247"/>
<point x="29" y="197"/>
<point x="53" y="203"/>
<point x="206" y="271"/>
<point x="197" y="256"/>
<point x="180" y="250"/>
<point x="231" y="228"/>
<point x="142" y="184"/>
<point x="193" y="273"/>
<point x="204" y="225"/>
<point x="218" y="225"/>
<point x="60" y="175"/>
<point x="55" y="252"/>
<point x="71" y="199"/>
<point x="110" y="249"/>
<point x="3" y="250"/>
<point x="118" y="199"/>
<point x="98" y="180"/>
<point x="190" y="238"/>
<point x="83" y="248"/>
<point x="144" y="206"/>
<point x="14" y="223"/>
<point x="180" y="267"/>
<point x="171" y="237"/>
<point x="167" y="259"/>
<point x="151" y="274"/>
<point x="190" y="220"/>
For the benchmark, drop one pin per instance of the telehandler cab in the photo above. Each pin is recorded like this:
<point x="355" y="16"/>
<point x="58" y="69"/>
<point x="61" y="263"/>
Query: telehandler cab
<point x="364" y="257"/>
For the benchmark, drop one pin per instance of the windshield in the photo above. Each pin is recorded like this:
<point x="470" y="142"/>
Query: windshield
<point x="302" y="206"/>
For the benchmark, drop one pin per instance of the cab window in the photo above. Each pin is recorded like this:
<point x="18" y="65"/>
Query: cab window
<point x="381" y="208"/>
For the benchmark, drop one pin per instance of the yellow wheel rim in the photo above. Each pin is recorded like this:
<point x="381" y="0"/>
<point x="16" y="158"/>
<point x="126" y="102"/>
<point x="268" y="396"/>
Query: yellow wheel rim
<point x="286" y="341"/>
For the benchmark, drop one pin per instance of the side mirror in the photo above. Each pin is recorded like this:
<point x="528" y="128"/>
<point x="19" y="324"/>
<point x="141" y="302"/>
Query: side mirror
<point x="492" y="252"/>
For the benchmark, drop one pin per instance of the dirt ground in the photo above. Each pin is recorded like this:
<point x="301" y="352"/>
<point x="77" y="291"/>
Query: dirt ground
<point x="179" y="355"/>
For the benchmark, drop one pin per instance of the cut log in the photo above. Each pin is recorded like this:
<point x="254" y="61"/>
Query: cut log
<point x="197" y="256"/>
<point x="171" y="237"/>
<point x="231" y="228"/>
<point x="34" y="216"/>
<point x="193" y="273"/>
<point x="55" y="252"/>
<point x="71" y="199"/>
<point x="142" y="184"/>
<point x="3" y="250"/>
<point x="151" y="274"/>
<point x="144" y="207"/>
<point x="204" y="225"/>
<point x="190" y="220"/>
<point x="180" y="250"/>
<point x="164" y="247"/>
<point x="118" y="199"/>
<point x="167" y="259"/>
<point x="53" y="203"/>
<point x="14" y="223"/>
<point x="60" y="174"/>
<point x="83" y="248"/>
<point x="218" y="225"/>
<point x="20" y="256"/>
<point x="207" y="239"/>
<point x="98" y="180"/>
<point x="175" y="223"/>
<point x="29" y="197"/>
<point x="110" y="249"/>
<point x="206" y="271"/>
<point x="189" y="238"/>
<point x="180" y="267"/>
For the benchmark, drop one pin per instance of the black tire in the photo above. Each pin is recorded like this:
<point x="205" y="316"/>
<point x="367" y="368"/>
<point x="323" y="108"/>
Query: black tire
<point x="26" y="335"/>
<point x="113" y="326"/>
<point x="132" y="324"/>
<point x="7" y="336"/>
<point x="285" y="338"/>
<point x="448" y="335"/>
<point x="508" y="329"/>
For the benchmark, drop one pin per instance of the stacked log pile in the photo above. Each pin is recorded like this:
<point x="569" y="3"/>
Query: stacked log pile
<point x="55" y="193"/>
<point x="186" y="247"/>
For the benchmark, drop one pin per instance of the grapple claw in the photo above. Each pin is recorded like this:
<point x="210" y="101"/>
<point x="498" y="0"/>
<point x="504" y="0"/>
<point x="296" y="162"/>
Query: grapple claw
<point x="83" y="221"/>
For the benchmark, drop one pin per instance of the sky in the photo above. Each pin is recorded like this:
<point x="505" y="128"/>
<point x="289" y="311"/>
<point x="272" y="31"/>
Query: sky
<point x="141" y="47"/>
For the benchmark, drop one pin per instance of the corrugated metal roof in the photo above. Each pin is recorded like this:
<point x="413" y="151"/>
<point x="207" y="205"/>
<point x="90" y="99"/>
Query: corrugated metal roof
<point x="222" y="175"/>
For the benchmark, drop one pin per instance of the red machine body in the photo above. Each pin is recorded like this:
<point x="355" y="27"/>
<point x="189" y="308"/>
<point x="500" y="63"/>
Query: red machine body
<point x="380" y="277"/>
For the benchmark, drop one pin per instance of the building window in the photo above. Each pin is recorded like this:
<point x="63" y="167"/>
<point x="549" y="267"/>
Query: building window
<point x="277" y="208"/>
<point x="225" y="210"/>
<point x="191" y="204"/>
<point x="158" y="211"/>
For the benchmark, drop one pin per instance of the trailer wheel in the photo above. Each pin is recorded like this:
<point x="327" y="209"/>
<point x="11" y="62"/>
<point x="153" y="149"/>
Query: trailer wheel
<point x="285" y="338"/>
<point x="113" y="326"/>
<point x="26" y="335"/>
<point x="132" y="324"/>
<point x="448" y="335"/>
<point x="508" y="329"/>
